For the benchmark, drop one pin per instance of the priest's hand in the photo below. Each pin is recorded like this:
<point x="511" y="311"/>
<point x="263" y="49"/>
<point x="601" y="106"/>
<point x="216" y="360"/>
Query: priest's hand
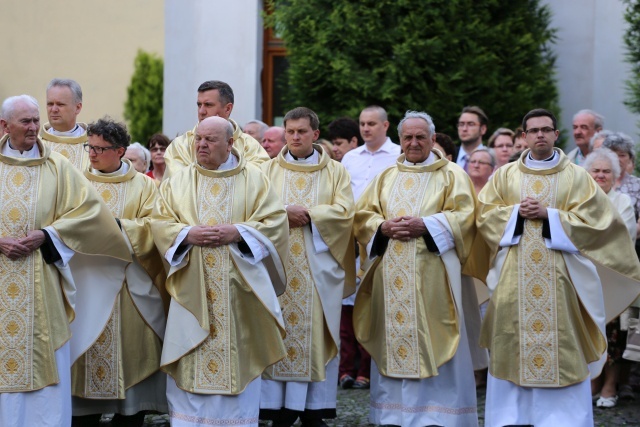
<point x="33" y="240"/>
<point x="404" y="228"/>
<point x="531" y="208"/>
<point x="224" y="235"/>
<point x="298" y="216"/>
<point x="13" y="249"/>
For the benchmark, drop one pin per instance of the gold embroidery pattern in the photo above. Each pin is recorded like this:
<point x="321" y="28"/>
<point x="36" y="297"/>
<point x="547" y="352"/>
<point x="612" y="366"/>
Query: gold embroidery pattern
<point x="102" y="358"/>
<point x="399" y="271"/>
<point x="18" y="197"/>
<point x="73" y="152"/>
<point x="537" y="292"/>
<point x="300" y="188"/>
<point x="213" y="356"/>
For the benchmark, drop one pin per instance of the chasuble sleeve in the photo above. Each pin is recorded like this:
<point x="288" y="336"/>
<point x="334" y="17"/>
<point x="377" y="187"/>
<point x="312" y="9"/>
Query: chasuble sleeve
<point x="179" y="154"/>
<point x="370" y="214"/>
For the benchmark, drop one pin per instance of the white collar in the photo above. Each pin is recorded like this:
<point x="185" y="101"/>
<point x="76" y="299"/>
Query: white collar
<point x="27" y="154"/>
<point x="123" y="169"/>
<point x="542" y="164"/>
<point x="427" y="161"/>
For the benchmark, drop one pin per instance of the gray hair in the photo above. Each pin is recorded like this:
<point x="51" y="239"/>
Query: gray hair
<point x="489" y="151"/>
<point x="73" y="85"/>
<point x="603" y="154"/>
<point x="417" y="115"/>
<point x="263" y="126"/>
<point x="618" y="141"/>
<point x="604" y="133"/>
<point x="598" y="119"/>
<point x="9" y="105"/>
<point x="142" y="150"/>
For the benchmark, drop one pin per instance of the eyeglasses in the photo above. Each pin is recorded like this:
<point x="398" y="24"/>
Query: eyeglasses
<point x="479" y="162"/>
<point x="534" y="131"/>
<point x="97" y="150"/>
<point x="468" y="124"/>
<point x="156" y="149"/>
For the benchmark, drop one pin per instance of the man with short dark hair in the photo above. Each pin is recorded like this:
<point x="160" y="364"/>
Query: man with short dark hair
<point x="554" y="241"/>
<point x="273" y="141"/>
<point x="131" y="385"/>
<point x="56" y="237"/>
<point x="472" y="125"/>
<point x="344" y="134"/>
<point x="416" y="221"/>
<point x="224" y="233"/>
<point x="215" y="98"/>
<point x="62" y="133"/>
<point x="321" y="271"/>
<point x="586" y="123"/>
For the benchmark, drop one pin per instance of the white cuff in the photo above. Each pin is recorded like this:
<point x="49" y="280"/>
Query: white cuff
<point x="258" y="250"/>
<point x="65" y="253"/>
<point x="508" y="239"/>
<point x="440" y="231"/>
<point x="174" y="259"/>
<point x="559" y="240"/>
<point x="318" y="242"/>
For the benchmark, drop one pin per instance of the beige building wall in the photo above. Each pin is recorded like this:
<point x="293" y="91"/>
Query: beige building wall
<point x="93" y="42"/>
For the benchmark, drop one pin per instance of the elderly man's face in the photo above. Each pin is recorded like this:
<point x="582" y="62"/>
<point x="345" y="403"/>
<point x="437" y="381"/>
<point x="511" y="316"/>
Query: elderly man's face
<point x="273" y="141"/>
<point x="136" y="160"/>
<point x="212" y="146"/>
<point x="209" y="105"/>
<point x="416" y="140"/>
<point x="22" y="125"/>
<point x="253" y="129"/>
<point x="300" y="137"/>
<point x="107" y="161"/>
<point x="584" y="127"/>
<point x="61" y="108"/>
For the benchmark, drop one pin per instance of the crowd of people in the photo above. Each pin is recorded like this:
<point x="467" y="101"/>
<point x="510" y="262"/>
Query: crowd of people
<point x="233" y="276"/>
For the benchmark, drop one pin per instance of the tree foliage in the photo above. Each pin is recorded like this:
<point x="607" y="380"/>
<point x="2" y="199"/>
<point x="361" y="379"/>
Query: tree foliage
<point x="430" y="55"/>
<point x="632" y="40"/>
<point x="143" y="107"/>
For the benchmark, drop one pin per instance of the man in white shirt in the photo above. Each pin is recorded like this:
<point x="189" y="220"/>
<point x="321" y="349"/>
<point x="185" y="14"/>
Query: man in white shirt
<point x="472" y="125"/>
<point x="363" y="164"/>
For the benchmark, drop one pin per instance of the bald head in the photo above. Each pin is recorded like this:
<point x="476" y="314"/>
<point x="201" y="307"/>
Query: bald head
<point x="213" y="140"/>
<point x="273" y="141"/>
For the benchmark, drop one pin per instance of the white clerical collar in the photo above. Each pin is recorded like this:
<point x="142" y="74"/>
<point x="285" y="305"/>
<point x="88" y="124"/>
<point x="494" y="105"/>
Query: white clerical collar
<point x="76" y="131"/>
<point x="123" y="169"/>
<point x="427" y="161"/>
<point x="32" y="153"/>
<point x="230" y="163"/>
<point x="313" y="159"/>
<point x="547" y="163"/>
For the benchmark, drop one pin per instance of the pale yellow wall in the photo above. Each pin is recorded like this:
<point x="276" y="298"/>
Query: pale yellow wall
<point x="91" y="41"/>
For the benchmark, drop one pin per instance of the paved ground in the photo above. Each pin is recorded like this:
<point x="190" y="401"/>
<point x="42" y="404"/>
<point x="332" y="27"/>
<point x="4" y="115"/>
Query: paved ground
<point x="353" y="411"/>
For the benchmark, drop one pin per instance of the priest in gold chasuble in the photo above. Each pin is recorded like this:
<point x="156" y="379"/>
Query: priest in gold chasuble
<point x="215" y="98"/>
<point x="120" y="374"/>
<point x="321" y="271"/>
<point x="555" y="243"/>
<point x="224" y="233"/>
<point x="52" y="224"/>
<point x="62" y="134"/>
<point x="416" y="220"/>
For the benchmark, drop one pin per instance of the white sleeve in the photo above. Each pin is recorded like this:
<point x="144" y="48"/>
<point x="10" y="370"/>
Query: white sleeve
<point x="318" y="242"/>
<point x="440" y="231"/>
<point x="173" y="257"/>
<point x="559" y="240"/>
<point x="65" y="253"/>
<point x="508" y="239"/>
<point x="258" y="250"/>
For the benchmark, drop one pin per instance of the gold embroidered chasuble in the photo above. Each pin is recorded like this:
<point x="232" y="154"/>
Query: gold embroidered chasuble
<point x="538" y="325"/>
<point x="114" y="363"/>
<point x="70" y="147"/>
<point x="181" y="152"/>
<point x="35" y="312"/>
<point x="311" y="306"/>
<point x="405" y="314"/>
<point x="242" y="335"/>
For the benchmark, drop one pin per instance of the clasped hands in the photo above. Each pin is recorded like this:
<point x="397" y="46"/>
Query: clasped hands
<point x="298" y="216"/>
<point x="213" y="235"/>
<point x="14" y="248"/>
<point x="531" y="208"/>
<point x="404" y="228"/>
